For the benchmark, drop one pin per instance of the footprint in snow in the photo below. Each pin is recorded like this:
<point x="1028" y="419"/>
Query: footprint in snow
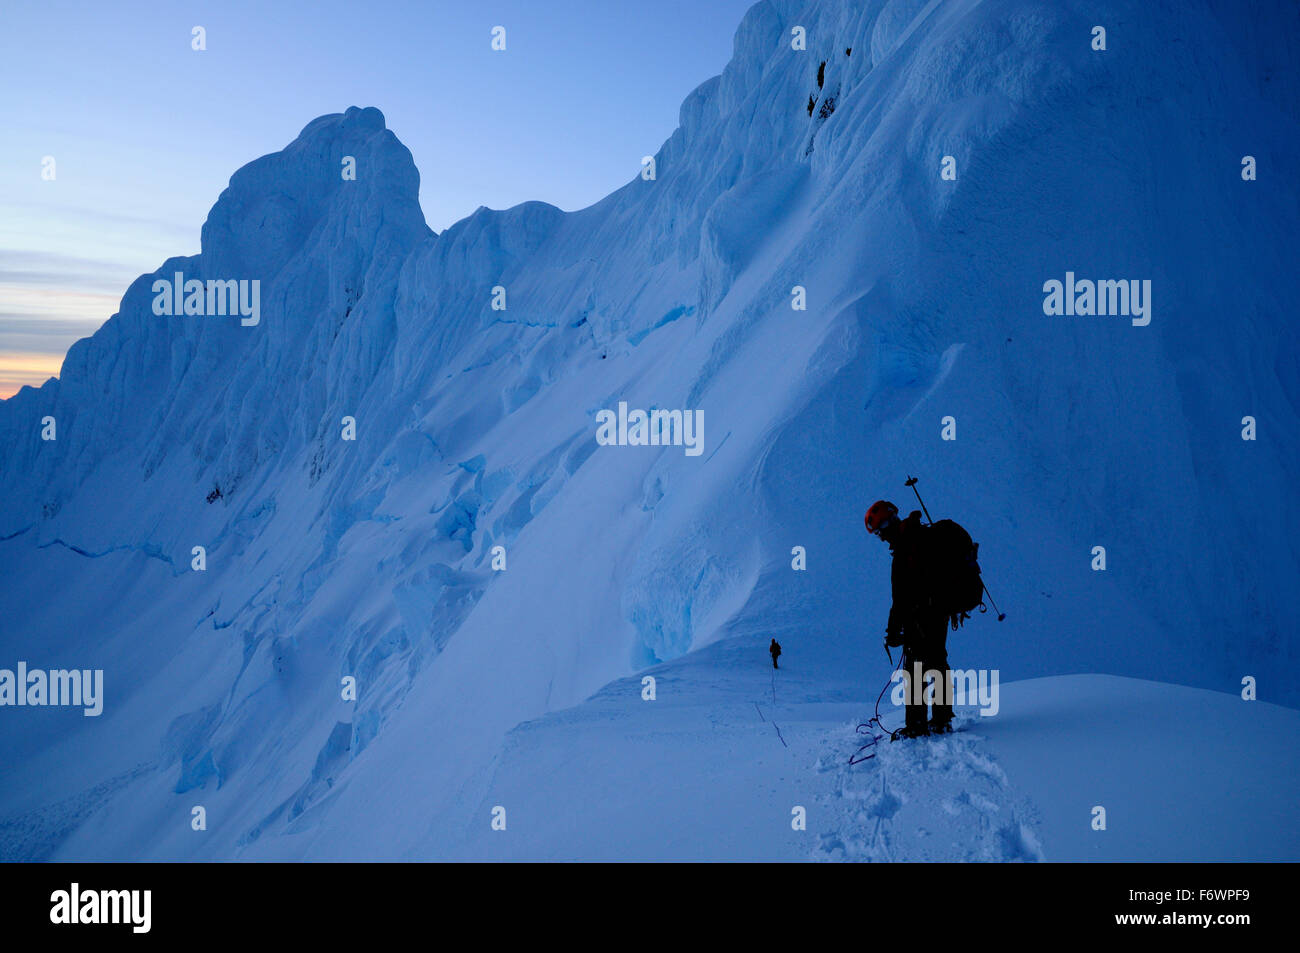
<point x="944" y="799"/>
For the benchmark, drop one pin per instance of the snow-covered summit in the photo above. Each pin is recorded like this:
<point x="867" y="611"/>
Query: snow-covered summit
<point x="298" y="201"/>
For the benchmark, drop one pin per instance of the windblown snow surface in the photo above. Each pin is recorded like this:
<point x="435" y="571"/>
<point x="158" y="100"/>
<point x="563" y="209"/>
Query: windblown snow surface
<point x="475" y="428"/>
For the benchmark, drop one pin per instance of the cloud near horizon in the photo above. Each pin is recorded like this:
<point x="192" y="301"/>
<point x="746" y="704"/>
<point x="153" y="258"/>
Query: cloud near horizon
<point x="51" y="300"/>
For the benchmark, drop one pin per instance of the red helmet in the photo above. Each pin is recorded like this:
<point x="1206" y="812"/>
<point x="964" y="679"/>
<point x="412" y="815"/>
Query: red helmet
<point x="881" y="513"/>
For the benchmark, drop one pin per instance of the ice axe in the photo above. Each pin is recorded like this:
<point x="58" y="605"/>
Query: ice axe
<point x="911" y="481"/>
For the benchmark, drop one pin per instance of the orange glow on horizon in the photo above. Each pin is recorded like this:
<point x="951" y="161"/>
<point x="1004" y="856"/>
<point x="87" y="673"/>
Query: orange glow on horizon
<point x="20" y="368"/>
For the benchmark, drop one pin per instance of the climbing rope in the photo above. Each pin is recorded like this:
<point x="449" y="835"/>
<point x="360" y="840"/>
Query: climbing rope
<point x="872" y="725"/>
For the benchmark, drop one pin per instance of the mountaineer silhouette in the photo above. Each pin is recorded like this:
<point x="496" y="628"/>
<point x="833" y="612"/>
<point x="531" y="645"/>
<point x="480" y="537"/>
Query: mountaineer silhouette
<point x="936" y="584"/>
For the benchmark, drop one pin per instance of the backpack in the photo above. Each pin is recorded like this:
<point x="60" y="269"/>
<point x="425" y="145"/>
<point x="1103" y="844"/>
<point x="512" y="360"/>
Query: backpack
<point x="954" y="563"/>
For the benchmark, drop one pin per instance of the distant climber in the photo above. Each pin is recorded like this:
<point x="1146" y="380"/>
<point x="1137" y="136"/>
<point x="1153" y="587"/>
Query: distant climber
<point x="926" y="593"/>
<point x="775" y="650"/>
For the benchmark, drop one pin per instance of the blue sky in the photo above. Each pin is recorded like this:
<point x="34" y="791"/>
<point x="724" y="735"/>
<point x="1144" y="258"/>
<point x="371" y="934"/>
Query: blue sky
<point x="145" y="131"/>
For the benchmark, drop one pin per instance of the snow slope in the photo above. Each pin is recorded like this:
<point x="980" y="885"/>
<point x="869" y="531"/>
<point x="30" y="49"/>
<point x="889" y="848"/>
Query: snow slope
<point x="475" y="429"/>
<point x="713" y="768"/>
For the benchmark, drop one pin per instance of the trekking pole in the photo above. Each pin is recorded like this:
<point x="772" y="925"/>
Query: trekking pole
<point x="911" y="481"/>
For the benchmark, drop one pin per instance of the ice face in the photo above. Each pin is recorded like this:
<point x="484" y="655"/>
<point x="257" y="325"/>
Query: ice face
<point x="411" y="409"/>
